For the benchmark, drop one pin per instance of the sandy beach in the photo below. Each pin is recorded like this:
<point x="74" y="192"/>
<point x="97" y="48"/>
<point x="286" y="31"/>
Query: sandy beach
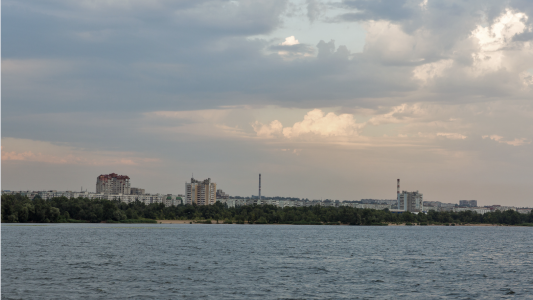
<point x="175" y="221"/>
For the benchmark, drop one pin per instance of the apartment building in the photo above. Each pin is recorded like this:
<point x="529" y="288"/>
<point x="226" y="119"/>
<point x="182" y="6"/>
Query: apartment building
<point x="468" y="203"/>
<point x="201" y="192"/>
<point x="137" y="191"/>
<point x="113" y="184"/>
<point x="410" y="201"/>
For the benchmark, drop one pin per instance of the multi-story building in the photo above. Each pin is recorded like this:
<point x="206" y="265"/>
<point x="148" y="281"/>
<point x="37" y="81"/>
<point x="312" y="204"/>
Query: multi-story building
<point x="127" y="198"/>
<point x="113" y="184"/>
<point x="468" y="203"/>
<point x="524" y="210"/>
<point x="502" y="208"/>
<point x="201" y="192"/>
<point x="410" y="201"/>
<point x="379" y="201"/>
<point x="432" y="203"/>
<point x="479" y="210"/>
<point x="378" y="206"/>
<point x="137" y="191"/>
<point x="222" y="195"/>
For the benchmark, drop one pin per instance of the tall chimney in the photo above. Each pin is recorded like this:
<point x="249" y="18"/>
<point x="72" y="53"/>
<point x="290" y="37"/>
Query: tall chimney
<point x="398" y="193"/>
<point x="398" y="188"/>
<point x="259" y="186"/>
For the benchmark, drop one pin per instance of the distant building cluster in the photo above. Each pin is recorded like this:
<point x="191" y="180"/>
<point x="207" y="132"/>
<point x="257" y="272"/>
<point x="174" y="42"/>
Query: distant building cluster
<point x="233" y="202"/>
<point x="471" y="205"/>
<point x="167" y="199"/>
<point x="379" y="201"/>
<point x="204" y="192"/>
<point x="468" y="203"/>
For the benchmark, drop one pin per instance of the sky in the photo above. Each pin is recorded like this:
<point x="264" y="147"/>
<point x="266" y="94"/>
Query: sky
<point x="326" y="99"/>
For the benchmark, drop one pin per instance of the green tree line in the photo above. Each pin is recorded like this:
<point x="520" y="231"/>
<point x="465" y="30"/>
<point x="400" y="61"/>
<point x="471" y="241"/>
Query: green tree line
<point x="17" y="208"/>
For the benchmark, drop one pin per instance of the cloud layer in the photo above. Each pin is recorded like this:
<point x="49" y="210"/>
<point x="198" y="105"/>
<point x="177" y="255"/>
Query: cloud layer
<point x="161" y="89"/>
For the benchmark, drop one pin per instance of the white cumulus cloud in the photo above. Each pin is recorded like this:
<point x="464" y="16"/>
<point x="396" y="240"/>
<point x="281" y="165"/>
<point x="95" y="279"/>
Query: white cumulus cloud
<point x="325" y="125"/>
<point x="494" y="39"/>
<point x="290" y="41"/>
<point x="315" y="122"/>
<point x="268" y="130"/>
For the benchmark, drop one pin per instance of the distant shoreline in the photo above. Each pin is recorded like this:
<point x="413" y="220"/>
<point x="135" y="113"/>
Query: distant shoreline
<point x="202" y="222"/>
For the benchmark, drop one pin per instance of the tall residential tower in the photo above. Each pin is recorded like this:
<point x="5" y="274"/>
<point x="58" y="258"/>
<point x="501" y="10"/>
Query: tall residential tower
<point x="113" y="184"/>
<point x="201" y="192"/>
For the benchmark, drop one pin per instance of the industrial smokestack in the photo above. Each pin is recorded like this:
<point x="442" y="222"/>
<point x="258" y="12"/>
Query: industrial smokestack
<point x="398" y="193"/>
<point x="259" y="186"/>
<point x="398" y="188"/>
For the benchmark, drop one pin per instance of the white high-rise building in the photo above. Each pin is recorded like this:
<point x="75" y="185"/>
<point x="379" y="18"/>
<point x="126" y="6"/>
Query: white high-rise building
<point x="201" y="192"/>
<point x="113" y="184"/>
<point x="410" y="201"/>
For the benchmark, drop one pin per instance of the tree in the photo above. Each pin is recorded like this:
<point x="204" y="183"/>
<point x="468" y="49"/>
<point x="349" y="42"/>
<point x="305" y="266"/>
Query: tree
<point x="119" y="215"/>
<point x="53" y="214"/>
<point x="261" y="220"/>
<point x="13" y="218"/>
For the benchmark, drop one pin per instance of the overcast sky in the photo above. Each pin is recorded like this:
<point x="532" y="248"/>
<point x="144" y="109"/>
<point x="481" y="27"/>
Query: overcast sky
<point x="327" y="99"/>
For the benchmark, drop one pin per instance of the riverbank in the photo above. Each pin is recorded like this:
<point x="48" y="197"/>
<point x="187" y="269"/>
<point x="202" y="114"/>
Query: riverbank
<point x="175" y="221"/>
<point x="336" y="224"/>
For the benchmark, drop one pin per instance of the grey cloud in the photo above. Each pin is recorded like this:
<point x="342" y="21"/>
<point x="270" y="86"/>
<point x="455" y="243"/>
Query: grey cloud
<point x="315" y="9"/>
<point x="149" y="59"/>
<point x="524" y="37"/>
<point x="63" y="29"/>
<point x="298" y="48"/>
<point x="83" y="73"/>
<point x="378" y="10"/>
<point x="327" y="51"/>
<point x="451" y="18"/>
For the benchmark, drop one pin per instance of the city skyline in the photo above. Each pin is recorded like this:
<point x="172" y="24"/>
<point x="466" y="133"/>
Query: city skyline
<point x="326" y="99"/>
<point x="204" y="192"/>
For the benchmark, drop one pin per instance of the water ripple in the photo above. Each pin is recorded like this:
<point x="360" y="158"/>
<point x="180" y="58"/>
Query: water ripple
<point x="93" y="261"/>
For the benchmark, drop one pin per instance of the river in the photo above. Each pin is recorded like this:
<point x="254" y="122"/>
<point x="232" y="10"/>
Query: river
<point x="192" y="261"/>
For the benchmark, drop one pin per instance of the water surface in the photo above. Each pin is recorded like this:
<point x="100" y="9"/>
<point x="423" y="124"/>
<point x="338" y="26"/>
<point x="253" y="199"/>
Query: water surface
<point x="169" y="261"/>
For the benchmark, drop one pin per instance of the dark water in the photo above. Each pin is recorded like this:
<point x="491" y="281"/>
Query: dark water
<point x="108" y="261"/>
